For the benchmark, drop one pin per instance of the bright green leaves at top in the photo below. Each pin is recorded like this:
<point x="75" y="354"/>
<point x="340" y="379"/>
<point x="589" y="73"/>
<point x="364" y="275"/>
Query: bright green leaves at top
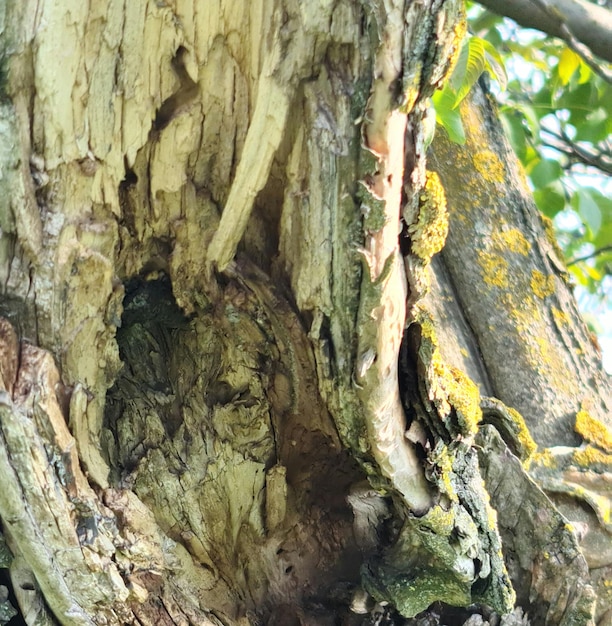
<point x="569" y="62"/>
<point x="477" y="56"/>
<point x="557" y="113"/>
<point x="560" y="125"/>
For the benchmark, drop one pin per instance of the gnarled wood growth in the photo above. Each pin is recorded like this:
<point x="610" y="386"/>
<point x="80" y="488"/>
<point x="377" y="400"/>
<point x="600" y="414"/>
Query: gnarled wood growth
<point x="236" y="389"/>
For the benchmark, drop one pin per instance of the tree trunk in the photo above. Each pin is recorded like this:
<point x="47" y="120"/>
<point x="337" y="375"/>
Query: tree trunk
<point x="236" y="387"/>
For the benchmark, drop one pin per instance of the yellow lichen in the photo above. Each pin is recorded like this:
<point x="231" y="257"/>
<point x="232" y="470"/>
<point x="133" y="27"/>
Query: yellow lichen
<point x="548" y="360"/>
<point x="522" y="176"/>
<point x="545" y="458"/>
<point x="541" y="284"/>
<point x="440" y="521"/>
<point x="514" y="240"/>
<point x="453" y="388"/>
<point x="438" y="384"/>
<point x="464" y="395"/>
<point x="459" y="31"/>
<point x="592" y="430"/>
<point x="491" y="515"/>
<point x="525" y="313"/>
<point x="489" y="166"/>
<point x="428" y="233"/>
<point x="449" y="387"/>
<point x="549" y="230"/>
<point x="412" y="89"/>
<point x="560" y="317"/>
<point x="528" y="445"/>
<point x="589" y="456"/>
<point x="495" y="269"/>
<point x="445" y="465"/>
<point x="428" y="328"/>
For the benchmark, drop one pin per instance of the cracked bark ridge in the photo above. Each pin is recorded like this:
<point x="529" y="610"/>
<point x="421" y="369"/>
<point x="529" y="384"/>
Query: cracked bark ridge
<point x="92" y="559"/>
<point x="547" y="568"/>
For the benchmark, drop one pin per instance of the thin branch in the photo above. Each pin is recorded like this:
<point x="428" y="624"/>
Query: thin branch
<point x="574" y="43"/>
<point x="588" y="257"/>
<point x="560" y="141"/>
<point x="591" y="24"/>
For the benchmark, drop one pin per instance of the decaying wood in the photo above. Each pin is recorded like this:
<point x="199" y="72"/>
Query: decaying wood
<point x="217" y="241"/>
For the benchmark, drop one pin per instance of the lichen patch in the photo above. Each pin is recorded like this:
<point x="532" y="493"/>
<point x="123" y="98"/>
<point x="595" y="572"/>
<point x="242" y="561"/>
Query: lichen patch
<point x="541" y="284"/>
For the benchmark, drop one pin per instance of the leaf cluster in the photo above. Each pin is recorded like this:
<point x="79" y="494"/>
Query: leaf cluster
<point x="557" y="114"/>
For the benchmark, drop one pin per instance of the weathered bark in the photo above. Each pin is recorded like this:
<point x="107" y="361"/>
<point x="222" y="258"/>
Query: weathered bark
<point x="589" y="22"/>
<point x="236" y="389"/>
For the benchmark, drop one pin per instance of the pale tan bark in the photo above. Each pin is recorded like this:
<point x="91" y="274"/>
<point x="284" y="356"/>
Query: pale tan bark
<point x="203" y="418"/>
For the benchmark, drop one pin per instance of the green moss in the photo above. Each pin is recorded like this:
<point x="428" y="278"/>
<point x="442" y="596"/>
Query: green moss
<point x="412" y="595"/>
<point x="6" y="558"/>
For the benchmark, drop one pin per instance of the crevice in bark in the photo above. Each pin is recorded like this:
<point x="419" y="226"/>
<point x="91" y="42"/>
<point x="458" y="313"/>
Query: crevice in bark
<point x="463" y="328"/>
<point x="222" y="407"/>
<point x="9" y="608"/>
<point x="182" y="98"/>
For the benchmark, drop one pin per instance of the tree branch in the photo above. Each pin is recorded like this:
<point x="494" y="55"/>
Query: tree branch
<point x="599" y="159"/>
<point x="573" y="43"/>
<point x="590" y="256"/>
<point x="589" y="24"/>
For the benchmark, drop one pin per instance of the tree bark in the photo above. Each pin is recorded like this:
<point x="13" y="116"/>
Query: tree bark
<point x="236" y="388"/>
<point x="589" y="23"/>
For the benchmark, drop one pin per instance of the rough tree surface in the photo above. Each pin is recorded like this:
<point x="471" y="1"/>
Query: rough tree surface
<point x="239" y="385"/>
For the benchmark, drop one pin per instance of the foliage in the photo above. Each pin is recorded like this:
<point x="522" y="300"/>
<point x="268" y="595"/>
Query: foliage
<point x="556" y="112"/>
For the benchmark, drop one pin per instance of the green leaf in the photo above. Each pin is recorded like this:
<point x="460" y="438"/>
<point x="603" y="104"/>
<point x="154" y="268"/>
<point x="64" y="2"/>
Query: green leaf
<point x="578" y="273"/>
<point x="470" y="65"/>
<point x="515" y="131"/>
<point x="494" y="64"/>
<point x="545" y="172"/>
<point x="604" y="235"/>
<point x="447" y="116"/>
<point x="531" y="117"/>
<point x="592" y="272"/>
<point x="549" y="200"/>
<point x="585" y="73"/>
<point x="588" y="209"/>
<point x="569" y="62"/>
